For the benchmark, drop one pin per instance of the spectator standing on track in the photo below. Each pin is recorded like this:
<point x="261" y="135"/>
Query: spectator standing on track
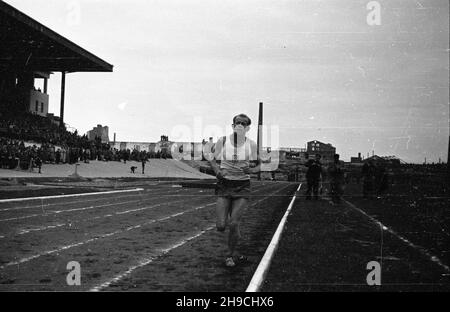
<point x="87" y="154"/>
<point x="337" y="177"/>
<point x="313" y="177"/>
<point x="143" y="160"/>
<point x="38" y="163"/>
<point x="126" y="156"/>
<point x="63" y="155"/>
<point x="235" y="152"/>
<point x="52" y="154"/>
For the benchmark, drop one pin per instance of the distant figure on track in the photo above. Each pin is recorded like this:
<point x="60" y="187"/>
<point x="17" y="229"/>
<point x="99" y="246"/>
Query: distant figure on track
<point x="235" y="152"/>
<point x="337" y="179"/>
<point x="313" y="177"/>
<point x="143" y="161"/>
<point x="38" y="163"/>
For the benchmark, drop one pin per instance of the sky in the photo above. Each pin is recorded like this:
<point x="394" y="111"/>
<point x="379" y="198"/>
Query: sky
<point x="331" y="70"/>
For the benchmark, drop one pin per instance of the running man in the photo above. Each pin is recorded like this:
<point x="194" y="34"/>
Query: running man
<point x="235" y="152"/>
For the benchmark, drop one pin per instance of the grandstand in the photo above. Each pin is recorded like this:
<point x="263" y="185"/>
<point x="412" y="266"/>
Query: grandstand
<point x="30" y="136"/>
<point x="31" y="51"/>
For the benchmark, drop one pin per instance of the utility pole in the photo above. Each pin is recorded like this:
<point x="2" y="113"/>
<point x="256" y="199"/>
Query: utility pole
<point x="259" y="138"/>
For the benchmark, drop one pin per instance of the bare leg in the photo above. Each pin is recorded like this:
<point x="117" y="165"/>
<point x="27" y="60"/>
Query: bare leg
<point x="223" y="206"/>
<point x="238" y="207"/>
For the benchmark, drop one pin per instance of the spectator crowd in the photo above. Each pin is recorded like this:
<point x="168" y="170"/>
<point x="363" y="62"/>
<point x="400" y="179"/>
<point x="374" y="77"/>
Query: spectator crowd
<point x="28" y="141"/>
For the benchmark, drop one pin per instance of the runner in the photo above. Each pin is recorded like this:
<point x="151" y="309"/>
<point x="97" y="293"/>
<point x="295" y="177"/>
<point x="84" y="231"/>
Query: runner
<point x="236" y="153"/>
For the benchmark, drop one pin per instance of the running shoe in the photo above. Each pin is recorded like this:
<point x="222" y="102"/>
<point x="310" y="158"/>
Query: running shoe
<point x="229" y="262"/>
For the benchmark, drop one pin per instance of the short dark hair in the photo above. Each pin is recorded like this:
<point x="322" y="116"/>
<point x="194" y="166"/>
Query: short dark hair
<point x="242" y="116"/>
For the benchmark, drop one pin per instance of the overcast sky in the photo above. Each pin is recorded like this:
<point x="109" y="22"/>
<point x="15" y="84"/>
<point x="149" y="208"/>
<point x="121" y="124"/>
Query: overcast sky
<point x="185" y="68"/>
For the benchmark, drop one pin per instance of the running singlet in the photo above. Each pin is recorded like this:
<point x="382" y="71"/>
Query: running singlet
<point x="234" y="159"/>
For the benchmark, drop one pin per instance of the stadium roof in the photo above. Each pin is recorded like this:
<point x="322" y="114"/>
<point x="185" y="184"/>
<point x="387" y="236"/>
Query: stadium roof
<point x="26" y="42"/>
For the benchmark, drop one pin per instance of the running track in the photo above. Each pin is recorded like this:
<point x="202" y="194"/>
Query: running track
<point x="117" y="238"/>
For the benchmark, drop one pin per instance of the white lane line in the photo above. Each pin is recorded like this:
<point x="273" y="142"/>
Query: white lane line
<point x="90" y="200"/>
<point x="24" y="217"/>
<point x="150" y="259"/>
<point x="69" y="195"/>
<point x="422" y="250"/>
<point x="23" y="260"/>
<point x="89" y="207"/>
<point x="147" y="261"/>
<point x="51" y="212"/>
<point x="147" y="193"/>
<point x="26" y="231"/>
<point x="263" y="267"/>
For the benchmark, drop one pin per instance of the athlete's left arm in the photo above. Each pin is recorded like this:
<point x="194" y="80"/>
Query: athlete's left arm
<point x="254" y="160"/>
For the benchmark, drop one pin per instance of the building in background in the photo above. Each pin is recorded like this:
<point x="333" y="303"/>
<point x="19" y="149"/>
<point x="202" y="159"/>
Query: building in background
<point x="99" y="131"/>
<point x="356" y="160"/>
<point x="195" y="150"/>
<point x="298" y="153"/>
<point x="326" y="150"/>
<point x="139" y="146"/>
<point x="385" y="160"/>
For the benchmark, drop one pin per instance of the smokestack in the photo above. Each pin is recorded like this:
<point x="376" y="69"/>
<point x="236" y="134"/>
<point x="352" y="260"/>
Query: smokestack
<point x="448" y="163"/>
<point x="359" y="155"/>
<point x="114" y="138"/>
<point x="259" y="138"/>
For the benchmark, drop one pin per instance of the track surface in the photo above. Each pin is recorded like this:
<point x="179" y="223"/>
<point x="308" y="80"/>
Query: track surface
<point x="163" y="238"/>
<point x="327" y="247"/>
<point x="160" y="239"/>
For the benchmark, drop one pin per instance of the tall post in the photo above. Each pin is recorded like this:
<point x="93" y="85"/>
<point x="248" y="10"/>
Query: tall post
<point x="448" y="162"/>
<point x="259" y="138"/>
<point x="63" y="90"/>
